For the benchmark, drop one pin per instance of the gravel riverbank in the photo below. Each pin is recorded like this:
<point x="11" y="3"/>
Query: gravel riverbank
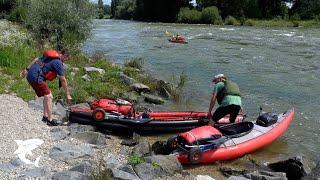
<point x="67" y="150"/>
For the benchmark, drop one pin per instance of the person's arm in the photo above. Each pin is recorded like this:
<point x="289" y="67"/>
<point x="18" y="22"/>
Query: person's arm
<point x="24" y="72"/>
<point x="64" y="85"/>
<point x="212" y="103"/>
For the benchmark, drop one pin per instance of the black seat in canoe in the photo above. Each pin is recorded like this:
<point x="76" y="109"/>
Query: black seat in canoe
<point x="236" y="129"/>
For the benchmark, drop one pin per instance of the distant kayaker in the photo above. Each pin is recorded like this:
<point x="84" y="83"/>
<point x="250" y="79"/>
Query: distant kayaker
<point x="227" y="94"/>
<point x="47" y="67"/>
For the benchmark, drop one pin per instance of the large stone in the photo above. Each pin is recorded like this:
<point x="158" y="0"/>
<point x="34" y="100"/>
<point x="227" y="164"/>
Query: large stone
<point x="314" y="174"/>
<point x="110" y="161"/>
<point x="12" y="165"/>
<point x="266" y="175"/>
<point x="91" y="138"/>
<point x="139" y="87"/>
<point x="153" y="99"/>
<point x="36" y="173"/>
<point x="60" y="110"/>
<point x="120" y="174"/>
<point x="169" y="164"/>
<point x="84" y="167"/>
<point x="125" y="150"/>
<point x="142" y="149"/>
<point x="126" y="79"/>
<point x="293" y="167"/>
<point x="66" y="152"/>
<point x="94" y="69"/>
<point x="70" y="175"/>
<point x="148" y="171"/>
<point x="203" y="177"/>
<point x="78" y="128"/>
<point x="58" y="133"/>
<point x="237" y="178"/>
<point x="36" y="103"/>
<point x="86" y="77"/>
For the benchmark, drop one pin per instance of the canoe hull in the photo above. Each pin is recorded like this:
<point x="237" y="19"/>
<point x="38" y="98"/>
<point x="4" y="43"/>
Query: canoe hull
<point x="157" y="122"/>
<point x="236" y="147"/>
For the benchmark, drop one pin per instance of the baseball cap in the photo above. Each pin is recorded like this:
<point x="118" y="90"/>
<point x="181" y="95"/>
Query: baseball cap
<point x="218" y="76"/>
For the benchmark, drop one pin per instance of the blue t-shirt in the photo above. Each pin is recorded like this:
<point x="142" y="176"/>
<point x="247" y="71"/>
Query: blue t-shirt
<point x="36" y="72"/>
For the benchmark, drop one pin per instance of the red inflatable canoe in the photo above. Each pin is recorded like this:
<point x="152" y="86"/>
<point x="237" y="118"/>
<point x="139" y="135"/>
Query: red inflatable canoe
<point x="180" y="40"/>
<point x="231" y="148"/>
<point x="120" y="116"/>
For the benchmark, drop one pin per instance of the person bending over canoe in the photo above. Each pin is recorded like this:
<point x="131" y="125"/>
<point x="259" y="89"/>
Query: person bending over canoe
<point x="47" y="67"/>
<point x="227" y="94"/>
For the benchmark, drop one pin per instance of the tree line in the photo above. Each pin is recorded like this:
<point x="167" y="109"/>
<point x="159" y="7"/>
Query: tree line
<point x="185" y="11"/>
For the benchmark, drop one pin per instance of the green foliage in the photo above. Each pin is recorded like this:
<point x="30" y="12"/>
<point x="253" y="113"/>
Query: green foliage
<point x="249" y="22"/>
<point x="18" y="13"/>
<point x="156" y="165"/>
<point x="125" y="9"/>
<point x="210" y="15"/>
<point x="187" y="15"/>
<point x="12" y="61"/>
<point x="230" y="20"/>
<point x="253" y="10"/>
<point x="295" y="18"/>
<point x="135" y="63"/>
<point x="100" y="9"/>
<point x="134" y="159"/>
<point x="64" y="24"/>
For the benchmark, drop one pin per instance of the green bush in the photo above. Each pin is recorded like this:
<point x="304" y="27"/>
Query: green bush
<point x="249" y="22"/>
<point x="18" y="14"/>
<point x="186" y="15"/>
<point x="230" y="20"/>
<point x="210" y="15"/>
<point x="64" y="24"/>
<point x="134" y="159"/>
<point x="135" y="63"/>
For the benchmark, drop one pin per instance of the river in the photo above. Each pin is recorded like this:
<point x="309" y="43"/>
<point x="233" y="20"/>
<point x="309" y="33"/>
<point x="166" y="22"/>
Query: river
<point x="276" y="68"/>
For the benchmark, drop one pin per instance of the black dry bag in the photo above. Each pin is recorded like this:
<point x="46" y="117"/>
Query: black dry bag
<point x="267" y="119"/>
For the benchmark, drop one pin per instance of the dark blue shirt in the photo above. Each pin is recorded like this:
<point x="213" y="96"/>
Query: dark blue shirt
<point x="42" y="66"/>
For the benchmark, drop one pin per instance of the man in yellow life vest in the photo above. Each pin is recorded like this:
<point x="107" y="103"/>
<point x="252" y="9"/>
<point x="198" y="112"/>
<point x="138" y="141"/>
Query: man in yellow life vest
<point x="227" y="94"/>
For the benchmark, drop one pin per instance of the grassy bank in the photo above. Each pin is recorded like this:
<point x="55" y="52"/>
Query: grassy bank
<point x="282" y="23"/>
<point x="14" y="59"/>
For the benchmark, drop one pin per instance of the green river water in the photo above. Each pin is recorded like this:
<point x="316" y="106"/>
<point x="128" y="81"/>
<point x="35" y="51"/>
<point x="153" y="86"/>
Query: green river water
<point x="276" y="68"/>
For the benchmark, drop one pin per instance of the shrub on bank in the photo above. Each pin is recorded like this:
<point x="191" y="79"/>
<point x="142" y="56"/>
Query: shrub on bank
<point x="230" y="20"/>
<point x="210" y="15"/>
<point x="64" y="24"/>
<point x="187" y="15"/>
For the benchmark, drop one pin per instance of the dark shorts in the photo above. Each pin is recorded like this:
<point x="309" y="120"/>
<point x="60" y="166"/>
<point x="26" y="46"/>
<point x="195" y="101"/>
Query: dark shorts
<point x="41" y="89"/>
<point x="233" y="110"/>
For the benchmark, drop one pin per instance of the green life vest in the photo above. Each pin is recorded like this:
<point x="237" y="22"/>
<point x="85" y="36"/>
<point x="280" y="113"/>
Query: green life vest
<point x="230" y="88"/>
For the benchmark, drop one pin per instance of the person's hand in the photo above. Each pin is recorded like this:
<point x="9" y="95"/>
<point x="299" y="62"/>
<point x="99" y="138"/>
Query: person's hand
<point x="209" y="115"/>
<point x="211" y="123"/>
<point x="69" y="99"/>
<point x="23" y="73"/>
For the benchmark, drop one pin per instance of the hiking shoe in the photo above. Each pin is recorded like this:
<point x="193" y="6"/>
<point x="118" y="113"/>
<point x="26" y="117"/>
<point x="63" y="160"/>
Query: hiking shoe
<point x="54" y="122"/>
<point x="45" y="119"/>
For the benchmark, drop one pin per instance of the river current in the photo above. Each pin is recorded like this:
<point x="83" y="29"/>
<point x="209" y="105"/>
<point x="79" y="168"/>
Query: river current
<point x="276" y="68"/>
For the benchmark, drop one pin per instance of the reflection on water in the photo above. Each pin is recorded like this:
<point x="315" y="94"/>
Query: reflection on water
<point x="275" y="68"/>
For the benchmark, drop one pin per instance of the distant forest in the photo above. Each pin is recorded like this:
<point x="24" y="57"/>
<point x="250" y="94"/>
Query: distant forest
<point x="184" y="10"/>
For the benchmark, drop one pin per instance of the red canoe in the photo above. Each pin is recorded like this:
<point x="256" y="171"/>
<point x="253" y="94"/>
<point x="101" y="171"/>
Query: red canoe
<point x="181" y="40"/>
<point x="120" y="115"/>
<point x="236" y="147"/>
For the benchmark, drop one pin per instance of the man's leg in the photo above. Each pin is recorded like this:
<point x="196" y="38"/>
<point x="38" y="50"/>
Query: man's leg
<point x="219" y="113"/>
<point x="47" y="106"/>
<point x="234" y="111"/>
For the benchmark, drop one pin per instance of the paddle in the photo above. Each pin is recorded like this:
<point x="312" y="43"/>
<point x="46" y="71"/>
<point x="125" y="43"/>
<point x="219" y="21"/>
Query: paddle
<point x="168" y="34"/>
